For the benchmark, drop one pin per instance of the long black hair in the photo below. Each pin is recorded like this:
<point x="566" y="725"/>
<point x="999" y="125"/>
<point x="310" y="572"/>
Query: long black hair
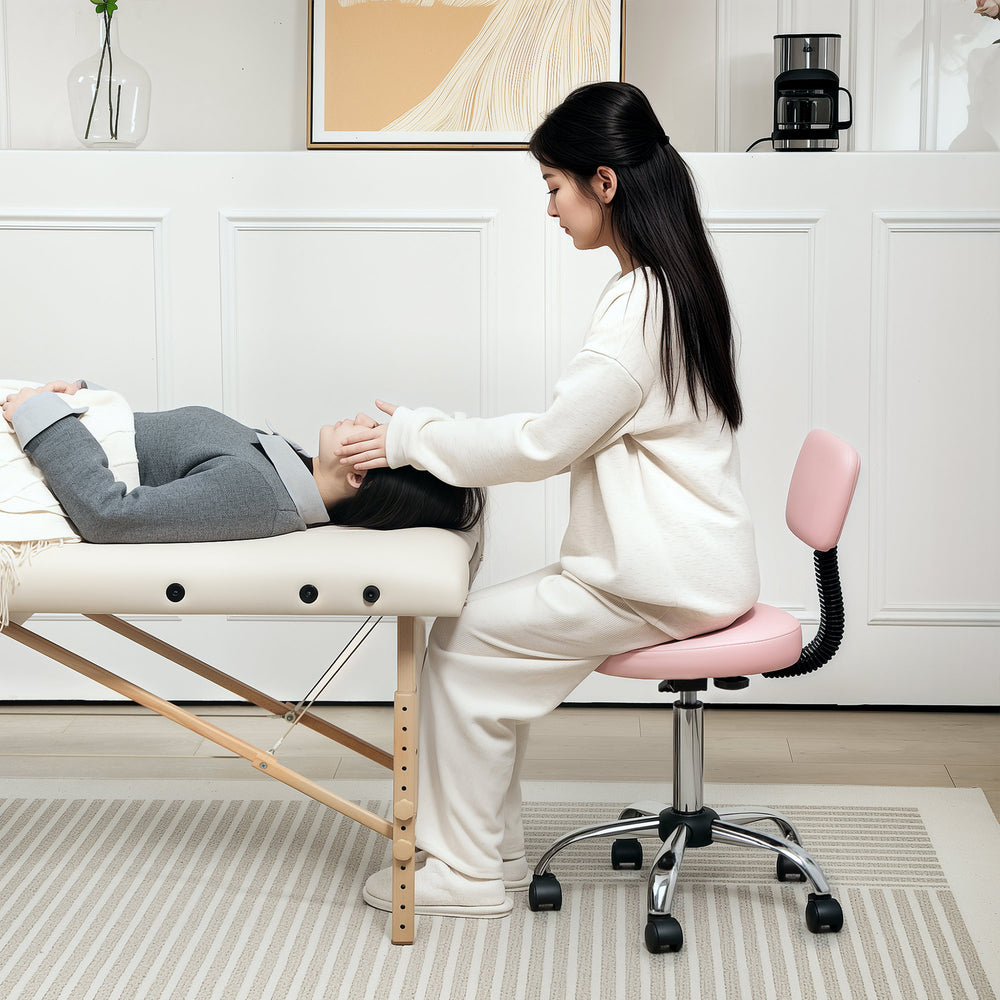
<point x="656" y="221"/>
<point x="409" y="498"/>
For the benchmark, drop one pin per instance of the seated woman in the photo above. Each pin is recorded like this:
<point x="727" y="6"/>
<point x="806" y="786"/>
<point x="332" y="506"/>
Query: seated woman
<point x="207" y="477"/>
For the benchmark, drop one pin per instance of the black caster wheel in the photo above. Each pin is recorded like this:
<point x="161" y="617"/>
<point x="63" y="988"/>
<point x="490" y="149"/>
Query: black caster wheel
<point x="544" y="893"/>
<point x="788" y="871"/>
<point x="823" y="913"/>
<point x="626" y="854"/>
<point x="663" y="933"/>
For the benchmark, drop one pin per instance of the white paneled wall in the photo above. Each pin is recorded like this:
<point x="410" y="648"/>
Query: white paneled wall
<point x="934" y="400"/>
<point x="296" y="287"/>
<point x="109" y="307"/>
<point x="355" y="289"/>
<point x="779" y="368"/>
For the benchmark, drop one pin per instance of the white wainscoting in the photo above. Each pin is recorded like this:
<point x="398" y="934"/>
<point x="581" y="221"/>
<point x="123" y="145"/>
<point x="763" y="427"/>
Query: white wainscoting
<point x="329" y="273"/>
<point x="916" y="435"/>
<point x="105" y="303"/>
<point x="297" y="287"/>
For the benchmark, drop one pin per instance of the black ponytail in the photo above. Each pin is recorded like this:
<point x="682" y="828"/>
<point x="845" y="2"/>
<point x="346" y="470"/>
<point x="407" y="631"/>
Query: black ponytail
<point x="656" y="220"/>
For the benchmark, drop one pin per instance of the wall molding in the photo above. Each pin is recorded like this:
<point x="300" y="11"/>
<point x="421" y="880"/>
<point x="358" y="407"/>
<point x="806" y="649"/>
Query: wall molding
<point x="872" y="67"/>
<point x="930" y="85"/>
<point x="882" y="611"/>
<point x="785" y="17"/>
<point x="5" y="107"/>
<point x="809" y="224"/>
<point x="965" y="615"/>
<point x="156" y="224"/>
<point x="723" y="74"/>
<point x="232" y="224"/>
<point x="864" y="45"/>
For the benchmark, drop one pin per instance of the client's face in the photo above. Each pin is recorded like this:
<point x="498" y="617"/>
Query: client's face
<point x="335" y="480"/>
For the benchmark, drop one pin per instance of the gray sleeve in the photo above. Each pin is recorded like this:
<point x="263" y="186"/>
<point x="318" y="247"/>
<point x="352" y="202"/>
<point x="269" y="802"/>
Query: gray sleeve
<point x="223" y="498"/>
<point x="39" y="412"/>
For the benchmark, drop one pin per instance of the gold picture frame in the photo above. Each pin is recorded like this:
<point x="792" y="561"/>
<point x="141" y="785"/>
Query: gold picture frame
<point x="401" y="74"/>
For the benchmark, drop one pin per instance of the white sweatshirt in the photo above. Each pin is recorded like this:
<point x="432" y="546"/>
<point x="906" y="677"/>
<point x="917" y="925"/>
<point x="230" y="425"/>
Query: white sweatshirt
<point x="657" y="516"/>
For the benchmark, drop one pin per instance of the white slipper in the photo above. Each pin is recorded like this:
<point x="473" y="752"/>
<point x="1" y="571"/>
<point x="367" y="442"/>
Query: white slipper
<point x="516" y="873"/>
<point x="441" y="892"/>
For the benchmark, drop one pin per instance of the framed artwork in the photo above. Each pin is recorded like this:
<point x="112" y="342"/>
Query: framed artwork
<point x="451" y="74"/>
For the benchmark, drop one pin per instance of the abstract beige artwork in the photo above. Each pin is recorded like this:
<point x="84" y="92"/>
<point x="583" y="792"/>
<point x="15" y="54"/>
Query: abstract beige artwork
<point x="452" y="72"/>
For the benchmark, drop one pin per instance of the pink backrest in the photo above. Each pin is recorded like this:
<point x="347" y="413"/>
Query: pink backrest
<point x="821" y="489"/>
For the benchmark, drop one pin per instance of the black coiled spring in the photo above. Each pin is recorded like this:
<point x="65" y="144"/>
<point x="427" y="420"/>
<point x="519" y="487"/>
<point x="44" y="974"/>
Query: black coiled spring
<point x="831" y="619"/>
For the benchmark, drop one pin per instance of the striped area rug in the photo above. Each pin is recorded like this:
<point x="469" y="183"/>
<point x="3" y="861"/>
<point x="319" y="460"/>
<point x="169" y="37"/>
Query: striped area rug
<point x="177" y="892"/>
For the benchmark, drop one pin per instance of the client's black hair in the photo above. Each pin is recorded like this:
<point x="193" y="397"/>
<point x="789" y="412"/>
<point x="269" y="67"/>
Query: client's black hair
<point x="409" y="498"/>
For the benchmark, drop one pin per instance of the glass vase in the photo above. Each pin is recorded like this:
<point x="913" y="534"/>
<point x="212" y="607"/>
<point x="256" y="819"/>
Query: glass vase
<point x="109" y="93"/>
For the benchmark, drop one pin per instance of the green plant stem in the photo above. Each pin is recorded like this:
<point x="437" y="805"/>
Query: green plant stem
<point x="100" y="69"/>
<point x="112" y="124"/>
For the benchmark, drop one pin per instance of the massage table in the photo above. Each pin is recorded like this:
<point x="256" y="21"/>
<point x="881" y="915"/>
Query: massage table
<point x="410" y="574"/>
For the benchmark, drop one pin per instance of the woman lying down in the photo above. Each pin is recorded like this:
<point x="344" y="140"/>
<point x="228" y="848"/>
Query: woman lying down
<point x="205" y="477"/>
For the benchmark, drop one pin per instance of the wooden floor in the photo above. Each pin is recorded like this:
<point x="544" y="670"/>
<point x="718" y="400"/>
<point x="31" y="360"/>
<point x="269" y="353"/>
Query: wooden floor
<point x="842" y="747"/>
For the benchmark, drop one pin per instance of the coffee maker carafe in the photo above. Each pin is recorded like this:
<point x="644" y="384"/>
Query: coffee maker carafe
<point x="806" y="93"/>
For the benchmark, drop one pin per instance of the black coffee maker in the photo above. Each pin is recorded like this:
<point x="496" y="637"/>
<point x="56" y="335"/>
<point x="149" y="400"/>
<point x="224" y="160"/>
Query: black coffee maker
<point x="807" y="93"/>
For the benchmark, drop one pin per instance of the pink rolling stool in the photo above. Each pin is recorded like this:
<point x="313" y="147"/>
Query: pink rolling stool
<point x="768" y="641"/>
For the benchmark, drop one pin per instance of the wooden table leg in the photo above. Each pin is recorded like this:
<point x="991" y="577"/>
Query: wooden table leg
<point x="241" y="690"/>
<point x="410" y="644"/>
<point x="409" y="657"/>
<point x="263" y="762"/>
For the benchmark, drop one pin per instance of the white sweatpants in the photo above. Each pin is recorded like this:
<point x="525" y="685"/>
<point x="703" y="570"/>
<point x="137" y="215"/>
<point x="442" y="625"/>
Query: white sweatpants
<point x="517" y="650"/>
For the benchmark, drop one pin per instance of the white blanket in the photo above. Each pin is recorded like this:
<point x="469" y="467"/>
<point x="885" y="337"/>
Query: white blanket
<point x="31" y="519"/>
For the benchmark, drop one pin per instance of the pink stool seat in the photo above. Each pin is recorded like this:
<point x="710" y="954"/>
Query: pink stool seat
<point x="765" y="638"/>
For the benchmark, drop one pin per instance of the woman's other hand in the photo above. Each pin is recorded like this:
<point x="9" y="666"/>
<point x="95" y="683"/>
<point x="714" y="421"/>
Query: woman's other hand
<point x="365" y="447"/>
<point x="61" y="385"/>
<point x="15" y="399"/>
